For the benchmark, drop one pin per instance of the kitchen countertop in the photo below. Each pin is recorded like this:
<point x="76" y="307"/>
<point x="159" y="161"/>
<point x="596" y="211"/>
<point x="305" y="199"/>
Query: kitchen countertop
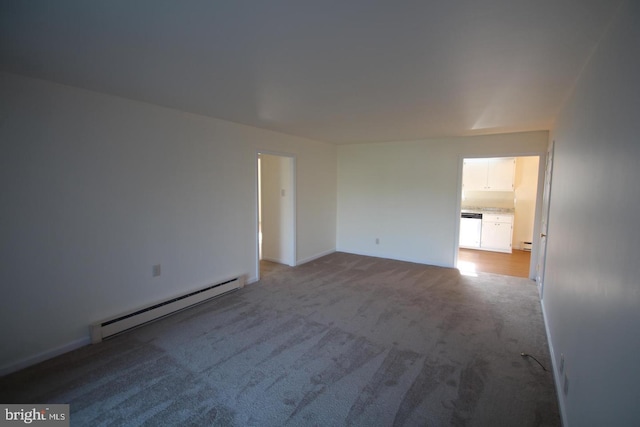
<point x="478" y="209"/>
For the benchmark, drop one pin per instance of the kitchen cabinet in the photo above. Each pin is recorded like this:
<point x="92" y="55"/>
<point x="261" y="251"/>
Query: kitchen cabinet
<point x="497" y="233"/>
<point x="494" y="174"/>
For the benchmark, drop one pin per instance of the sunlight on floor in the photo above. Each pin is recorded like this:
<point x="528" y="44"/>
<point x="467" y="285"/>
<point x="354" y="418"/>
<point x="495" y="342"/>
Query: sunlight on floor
<point x="467" y="268"/>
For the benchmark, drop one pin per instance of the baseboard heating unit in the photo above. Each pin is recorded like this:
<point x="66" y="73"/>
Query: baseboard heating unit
<point x="126" y="321"/>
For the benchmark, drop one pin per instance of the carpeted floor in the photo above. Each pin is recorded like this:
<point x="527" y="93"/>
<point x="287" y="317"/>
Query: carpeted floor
<point x="343" y="340"/>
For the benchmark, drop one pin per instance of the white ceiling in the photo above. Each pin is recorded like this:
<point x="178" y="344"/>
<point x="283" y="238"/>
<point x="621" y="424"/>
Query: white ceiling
<point x="335" y="71"/>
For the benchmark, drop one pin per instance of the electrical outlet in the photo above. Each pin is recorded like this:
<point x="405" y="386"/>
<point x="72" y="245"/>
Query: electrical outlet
<point x="561" y="367"/>
<point x="377" y="241"/>
<point x="155" y="270"/>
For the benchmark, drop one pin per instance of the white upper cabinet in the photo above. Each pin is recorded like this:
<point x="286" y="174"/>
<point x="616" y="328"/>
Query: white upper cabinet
<point x="500" y="174"/>
<point x="474" y="175"/>
<point x="495" y="174"/>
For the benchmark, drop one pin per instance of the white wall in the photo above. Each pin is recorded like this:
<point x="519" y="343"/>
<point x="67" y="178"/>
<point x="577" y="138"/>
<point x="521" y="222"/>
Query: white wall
<point x="526" y="191"/>
<point x="96" y="189"/>
<point x="407" y="194"/>
<point x="277" y="209"/>
<point x="592" y="282"/>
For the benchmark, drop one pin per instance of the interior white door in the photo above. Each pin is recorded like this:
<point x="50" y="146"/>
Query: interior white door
<point x="544" y="223"/>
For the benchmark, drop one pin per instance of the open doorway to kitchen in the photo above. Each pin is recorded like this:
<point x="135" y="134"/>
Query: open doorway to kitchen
<point x="276" y="211"/>
<point x="498" y="215"/>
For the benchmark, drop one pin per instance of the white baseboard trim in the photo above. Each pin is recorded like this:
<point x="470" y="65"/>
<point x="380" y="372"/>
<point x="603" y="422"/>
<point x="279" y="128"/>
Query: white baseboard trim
<point x="556" y="374"/>
<point x="252" y="280"/>
<point x="45" y="355"/>
<point x="316" y="256"/>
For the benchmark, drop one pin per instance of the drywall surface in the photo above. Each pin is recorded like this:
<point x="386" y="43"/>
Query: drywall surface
<point x="277" y="209"/>
<point x="592" y="290"/>
<point x="407" y="194"/>
<point x="526" y="191"/>
<point x="97" y="189"/>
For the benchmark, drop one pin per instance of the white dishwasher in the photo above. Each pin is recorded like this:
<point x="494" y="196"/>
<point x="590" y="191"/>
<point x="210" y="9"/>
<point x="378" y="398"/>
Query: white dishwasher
<point x="470" y="229"/>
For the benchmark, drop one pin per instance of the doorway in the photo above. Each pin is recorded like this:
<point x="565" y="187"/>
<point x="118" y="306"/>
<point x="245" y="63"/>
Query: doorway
<point x="505" y="190"/>
<point x="276" y="209"/>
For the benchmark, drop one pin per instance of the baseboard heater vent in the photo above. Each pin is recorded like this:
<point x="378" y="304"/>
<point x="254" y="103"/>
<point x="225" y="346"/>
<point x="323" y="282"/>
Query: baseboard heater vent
<point x="124" y="322"/>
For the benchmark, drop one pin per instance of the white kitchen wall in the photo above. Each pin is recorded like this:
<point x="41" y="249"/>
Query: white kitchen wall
<point x="592" y="283"/>
<point x="407" y="194"/>
<point x="526" y="191"/>
<point x="96" y="189"/>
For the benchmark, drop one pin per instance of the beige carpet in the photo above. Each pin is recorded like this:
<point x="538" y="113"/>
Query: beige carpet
<point x="343" y="340"/>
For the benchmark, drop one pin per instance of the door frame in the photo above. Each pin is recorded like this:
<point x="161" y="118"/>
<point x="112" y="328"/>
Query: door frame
<point x="542" y="159"/>
<point x="544" y="227"/>
<point x="293" y="224"/>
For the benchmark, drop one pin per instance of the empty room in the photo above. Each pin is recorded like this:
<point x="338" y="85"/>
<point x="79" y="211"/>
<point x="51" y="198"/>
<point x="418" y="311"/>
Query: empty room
<point x="254" y="213"/>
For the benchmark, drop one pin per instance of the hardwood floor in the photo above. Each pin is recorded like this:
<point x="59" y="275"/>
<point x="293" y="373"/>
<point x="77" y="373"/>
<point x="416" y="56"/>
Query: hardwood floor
<point x="514" y="264"/>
